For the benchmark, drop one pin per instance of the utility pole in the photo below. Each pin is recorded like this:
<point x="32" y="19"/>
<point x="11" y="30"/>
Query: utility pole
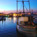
<point x="23" y="4"/>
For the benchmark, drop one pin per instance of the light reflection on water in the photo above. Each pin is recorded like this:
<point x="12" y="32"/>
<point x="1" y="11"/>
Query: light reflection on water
<point x="9" y="25"/>
<point x="14" y="19"/>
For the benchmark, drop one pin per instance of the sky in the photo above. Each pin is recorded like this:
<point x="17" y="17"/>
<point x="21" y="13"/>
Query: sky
<point x="6" y="5"/>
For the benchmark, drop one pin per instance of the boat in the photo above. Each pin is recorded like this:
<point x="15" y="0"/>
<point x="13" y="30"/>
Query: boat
<point x="25" y="24"/>
<point x="2" y="18"/>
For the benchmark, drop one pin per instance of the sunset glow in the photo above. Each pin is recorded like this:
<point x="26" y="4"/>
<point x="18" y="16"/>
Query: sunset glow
<point x="7" y="6"/>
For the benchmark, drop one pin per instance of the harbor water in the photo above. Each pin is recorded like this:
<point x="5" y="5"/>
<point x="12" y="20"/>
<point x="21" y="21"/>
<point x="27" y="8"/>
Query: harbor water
<point x="8" y="28"/>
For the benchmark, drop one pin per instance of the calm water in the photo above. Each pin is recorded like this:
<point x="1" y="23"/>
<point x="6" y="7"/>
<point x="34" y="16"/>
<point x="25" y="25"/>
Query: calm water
<point x="8" y="27"/>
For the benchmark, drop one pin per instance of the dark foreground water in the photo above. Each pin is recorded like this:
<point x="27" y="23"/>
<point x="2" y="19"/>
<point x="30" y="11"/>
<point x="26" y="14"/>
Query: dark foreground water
<point x="8" y="28"/>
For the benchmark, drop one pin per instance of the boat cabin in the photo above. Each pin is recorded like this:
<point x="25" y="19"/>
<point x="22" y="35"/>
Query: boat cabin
<point x="25" y="21"/>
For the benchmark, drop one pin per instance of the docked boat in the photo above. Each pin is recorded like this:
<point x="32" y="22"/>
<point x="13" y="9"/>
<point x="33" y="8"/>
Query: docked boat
<point x="24" y="25"/>
<point x="2" y="18"/>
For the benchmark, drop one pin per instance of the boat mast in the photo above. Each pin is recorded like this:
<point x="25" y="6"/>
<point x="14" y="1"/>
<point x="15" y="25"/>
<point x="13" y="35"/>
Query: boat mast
<point x="29" y="5"/>
<point x="23" y="4"/>
<point x="17" y="5"/>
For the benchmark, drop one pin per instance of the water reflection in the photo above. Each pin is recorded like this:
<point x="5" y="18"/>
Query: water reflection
<point x="8" y="28"/>
<point x="14" y="19"/>
<point x="8" y="19"/>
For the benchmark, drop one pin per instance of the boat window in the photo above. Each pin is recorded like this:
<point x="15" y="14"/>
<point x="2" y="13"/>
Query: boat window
<point x="25" y="19"/>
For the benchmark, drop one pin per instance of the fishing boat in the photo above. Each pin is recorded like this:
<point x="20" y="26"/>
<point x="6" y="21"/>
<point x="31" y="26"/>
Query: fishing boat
<point x="25" y="24"/>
